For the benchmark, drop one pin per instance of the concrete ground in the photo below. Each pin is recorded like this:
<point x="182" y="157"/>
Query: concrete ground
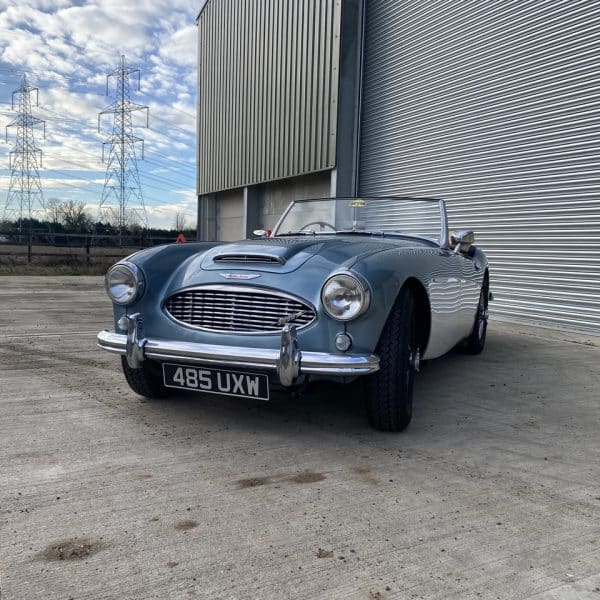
<point x="493" y="492"/>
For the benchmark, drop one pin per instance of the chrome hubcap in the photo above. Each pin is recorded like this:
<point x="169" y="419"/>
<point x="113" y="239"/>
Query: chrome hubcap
<point x="415" y="360"/>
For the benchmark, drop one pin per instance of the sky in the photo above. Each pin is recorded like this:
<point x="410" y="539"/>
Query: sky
<point x="67" y="49"/>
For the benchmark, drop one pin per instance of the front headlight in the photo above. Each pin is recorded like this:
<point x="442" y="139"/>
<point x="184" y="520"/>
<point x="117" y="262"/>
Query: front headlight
<point x="345" y="297"/>
<point x="124" y="282"/>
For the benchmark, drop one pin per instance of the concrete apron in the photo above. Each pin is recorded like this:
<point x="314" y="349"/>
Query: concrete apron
<point x="492" y="492"/>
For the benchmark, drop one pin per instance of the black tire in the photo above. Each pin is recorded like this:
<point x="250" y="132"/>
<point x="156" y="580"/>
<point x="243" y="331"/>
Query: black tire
<point x="146" y="381"/>
<point x="475" y="343"/>
<point x="390" y="390"/>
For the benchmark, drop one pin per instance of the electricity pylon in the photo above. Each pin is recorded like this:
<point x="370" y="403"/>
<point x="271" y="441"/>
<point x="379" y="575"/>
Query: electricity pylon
<point x="25" y="199"/>
<point x="122" y="202"/>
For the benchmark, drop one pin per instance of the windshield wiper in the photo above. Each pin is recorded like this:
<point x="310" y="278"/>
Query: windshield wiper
<point x="304" y="232"/>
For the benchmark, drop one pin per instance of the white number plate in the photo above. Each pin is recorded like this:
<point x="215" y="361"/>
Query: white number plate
<point x="216" y="381"/>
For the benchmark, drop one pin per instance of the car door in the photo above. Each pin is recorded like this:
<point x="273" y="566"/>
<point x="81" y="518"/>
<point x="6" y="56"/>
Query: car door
<point x="445" y="297"/>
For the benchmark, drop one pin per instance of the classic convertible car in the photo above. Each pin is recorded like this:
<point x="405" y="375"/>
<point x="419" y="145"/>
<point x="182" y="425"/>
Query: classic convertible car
<point x="342" y="289"/>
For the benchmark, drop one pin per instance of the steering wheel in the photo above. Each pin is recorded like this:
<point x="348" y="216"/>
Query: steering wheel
<point x="320" y="223"/>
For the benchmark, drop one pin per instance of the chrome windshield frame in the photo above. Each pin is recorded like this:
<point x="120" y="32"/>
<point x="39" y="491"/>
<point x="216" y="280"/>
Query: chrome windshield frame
<point x="444" y="236"/>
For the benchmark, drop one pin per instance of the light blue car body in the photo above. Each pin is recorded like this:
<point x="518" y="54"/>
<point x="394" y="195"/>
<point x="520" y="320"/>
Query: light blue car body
<point x="447" y="285"/>
<point x="344" y="288"/>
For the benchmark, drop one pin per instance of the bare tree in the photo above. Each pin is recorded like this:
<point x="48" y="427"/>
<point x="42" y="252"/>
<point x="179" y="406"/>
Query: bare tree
<point x="53" y="208"/>
<point x="180" y="221"/>
<point x="71" y="214"/>
<point x="75" y="217"/>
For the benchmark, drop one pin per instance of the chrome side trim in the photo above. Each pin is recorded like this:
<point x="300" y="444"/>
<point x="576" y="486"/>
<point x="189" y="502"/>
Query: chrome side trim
<point x="319" y="363"/>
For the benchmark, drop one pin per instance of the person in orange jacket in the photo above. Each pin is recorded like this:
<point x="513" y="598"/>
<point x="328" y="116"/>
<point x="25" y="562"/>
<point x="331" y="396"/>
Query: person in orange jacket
<point x="180" y="238"/>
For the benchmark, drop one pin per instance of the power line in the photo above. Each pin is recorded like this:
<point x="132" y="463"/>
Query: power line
<point x="159" y="179"/>
<point x="150" y="151"/>
<point x="58" y="77"/>
<point x="86" y="167"/>
<point x="192" y="169"/>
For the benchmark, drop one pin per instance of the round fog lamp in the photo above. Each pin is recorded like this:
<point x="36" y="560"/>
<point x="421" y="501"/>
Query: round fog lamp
<point x="343" y="342"/>
<point x="123" y="323"/>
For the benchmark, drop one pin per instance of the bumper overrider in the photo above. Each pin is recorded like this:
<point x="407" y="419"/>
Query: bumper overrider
<point x="289" y="361"/>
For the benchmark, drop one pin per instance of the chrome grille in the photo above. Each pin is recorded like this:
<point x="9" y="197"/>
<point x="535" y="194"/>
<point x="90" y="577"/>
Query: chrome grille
<point x="235" y="309"/>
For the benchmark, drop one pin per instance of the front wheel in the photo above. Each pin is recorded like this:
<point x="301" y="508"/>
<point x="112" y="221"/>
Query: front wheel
<point x="146" y="381"/>
<point x="390" y="390"/>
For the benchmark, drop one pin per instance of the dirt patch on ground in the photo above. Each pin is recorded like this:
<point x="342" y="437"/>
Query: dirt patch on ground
<point x="74" y="549"/>
<point x="304" y="477"/>
<point x="307" y="477"/>
<point x="253" y="482"/>
<point x="365" y="474"/>
<point x="186" y="525"/>
<point x="324" y="553"/>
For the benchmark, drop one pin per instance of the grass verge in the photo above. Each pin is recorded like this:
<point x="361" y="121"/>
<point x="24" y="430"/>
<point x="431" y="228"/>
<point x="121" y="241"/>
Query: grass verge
<point x="53" y="269"/>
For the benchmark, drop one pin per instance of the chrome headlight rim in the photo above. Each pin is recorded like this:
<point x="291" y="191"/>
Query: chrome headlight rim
<point x="360" y="284"/>
<point x="136" y="283"/>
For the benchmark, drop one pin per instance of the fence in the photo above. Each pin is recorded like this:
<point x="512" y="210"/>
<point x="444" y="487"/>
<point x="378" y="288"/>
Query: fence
<point x="43" y="247"/>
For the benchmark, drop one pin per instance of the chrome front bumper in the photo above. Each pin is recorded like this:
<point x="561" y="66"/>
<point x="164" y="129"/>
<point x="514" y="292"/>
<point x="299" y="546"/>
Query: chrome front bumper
<point x="288" y="361"/>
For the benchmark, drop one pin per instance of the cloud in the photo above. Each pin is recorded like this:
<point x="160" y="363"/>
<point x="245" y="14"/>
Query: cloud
<point x="67" y="49"/>
<point x="165" y="213"/>
<point x="180" y="47"/>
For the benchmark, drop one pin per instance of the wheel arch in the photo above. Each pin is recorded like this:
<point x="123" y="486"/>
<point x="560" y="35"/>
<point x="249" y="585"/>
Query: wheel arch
<point x="423" y="310"/>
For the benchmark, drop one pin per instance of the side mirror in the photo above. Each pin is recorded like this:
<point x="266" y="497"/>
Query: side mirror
<point x="462" y="240"/>
<point x="261" y="233"/>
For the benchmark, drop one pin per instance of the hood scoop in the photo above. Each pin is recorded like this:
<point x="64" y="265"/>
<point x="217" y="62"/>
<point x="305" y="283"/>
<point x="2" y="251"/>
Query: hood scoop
<point x="274" y="255"/>
<point x="246" y="258"/>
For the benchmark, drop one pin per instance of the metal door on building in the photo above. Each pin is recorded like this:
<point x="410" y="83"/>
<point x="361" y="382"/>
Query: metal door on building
<point x="495" y="107"/>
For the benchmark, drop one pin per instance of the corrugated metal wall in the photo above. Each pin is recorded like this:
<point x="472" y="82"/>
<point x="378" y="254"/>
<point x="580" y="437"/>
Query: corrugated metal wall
<point x="495" y="106"/>
<point x="268" y="84"/>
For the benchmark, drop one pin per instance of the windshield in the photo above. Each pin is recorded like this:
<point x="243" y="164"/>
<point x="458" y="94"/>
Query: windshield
<point x="402" y="216"/>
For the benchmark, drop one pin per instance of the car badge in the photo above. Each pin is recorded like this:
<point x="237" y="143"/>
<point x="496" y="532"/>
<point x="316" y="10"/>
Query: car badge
<point x="290" y="318"/>
<point x="239" y="275"/>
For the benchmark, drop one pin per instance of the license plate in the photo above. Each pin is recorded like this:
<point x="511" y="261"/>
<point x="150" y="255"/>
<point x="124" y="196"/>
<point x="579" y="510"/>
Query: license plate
<point x="216" y="381"/>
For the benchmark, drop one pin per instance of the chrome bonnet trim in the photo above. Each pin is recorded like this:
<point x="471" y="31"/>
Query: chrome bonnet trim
<point x="249" y="257"/>
<point x="235" y="356"/>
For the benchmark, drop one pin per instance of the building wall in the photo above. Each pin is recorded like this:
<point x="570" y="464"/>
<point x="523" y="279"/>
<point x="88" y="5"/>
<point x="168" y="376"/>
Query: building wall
<point x="234" y="214"/>
<point x="492" y="106"/>
<point x="268" y="90"/>
<point x="275" y="196"/>
<point x="230" y="215"/>
<point x="495" y="107"/>
<point x="278" y="88"/>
